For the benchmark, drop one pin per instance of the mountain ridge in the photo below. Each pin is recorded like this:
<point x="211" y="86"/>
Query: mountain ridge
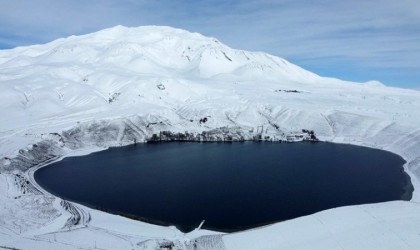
<point x="112" y="71"/>
<point x="73" y="97"/>
<point x="161" y="45"/>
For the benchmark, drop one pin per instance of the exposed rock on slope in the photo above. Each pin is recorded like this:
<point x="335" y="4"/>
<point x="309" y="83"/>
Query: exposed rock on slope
<point x="124" y="85"/>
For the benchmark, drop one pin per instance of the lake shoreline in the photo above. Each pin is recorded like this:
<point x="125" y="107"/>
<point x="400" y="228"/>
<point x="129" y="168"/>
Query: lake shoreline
<point x="408" y="189"/>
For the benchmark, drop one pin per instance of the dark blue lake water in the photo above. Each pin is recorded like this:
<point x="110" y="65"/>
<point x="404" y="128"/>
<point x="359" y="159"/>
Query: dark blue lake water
<point x="233" y="186"/>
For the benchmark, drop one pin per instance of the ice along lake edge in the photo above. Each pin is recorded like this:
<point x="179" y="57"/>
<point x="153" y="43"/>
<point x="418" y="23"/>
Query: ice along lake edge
<point x="226" y="184"/>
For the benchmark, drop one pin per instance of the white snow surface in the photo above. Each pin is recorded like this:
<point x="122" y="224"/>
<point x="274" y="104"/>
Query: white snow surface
<point x="82" y="94"/>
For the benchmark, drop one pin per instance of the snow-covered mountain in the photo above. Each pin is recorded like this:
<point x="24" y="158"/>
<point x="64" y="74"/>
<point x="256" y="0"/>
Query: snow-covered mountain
<point x="84" y="93"/>
<point x="82" y="74"/>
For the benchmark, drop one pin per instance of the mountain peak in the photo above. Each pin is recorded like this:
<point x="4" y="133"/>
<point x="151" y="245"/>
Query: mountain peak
<point x="156" y="50"/>
<point x="124" y="32"/>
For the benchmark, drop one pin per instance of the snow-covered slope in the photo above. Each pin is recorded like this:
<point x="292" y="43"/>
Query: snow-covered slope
<point x="120" y="85"/>
<point x="81" y="74"/>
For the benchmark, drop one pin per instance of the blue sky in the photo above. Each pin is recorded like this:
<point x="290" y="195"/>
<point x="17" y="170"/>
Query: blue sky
<point x="356" y="40"/>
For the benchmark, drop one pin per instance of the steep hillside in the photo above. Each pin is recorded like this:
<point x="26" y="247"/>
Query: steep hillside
<point x="124" y="85"/>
